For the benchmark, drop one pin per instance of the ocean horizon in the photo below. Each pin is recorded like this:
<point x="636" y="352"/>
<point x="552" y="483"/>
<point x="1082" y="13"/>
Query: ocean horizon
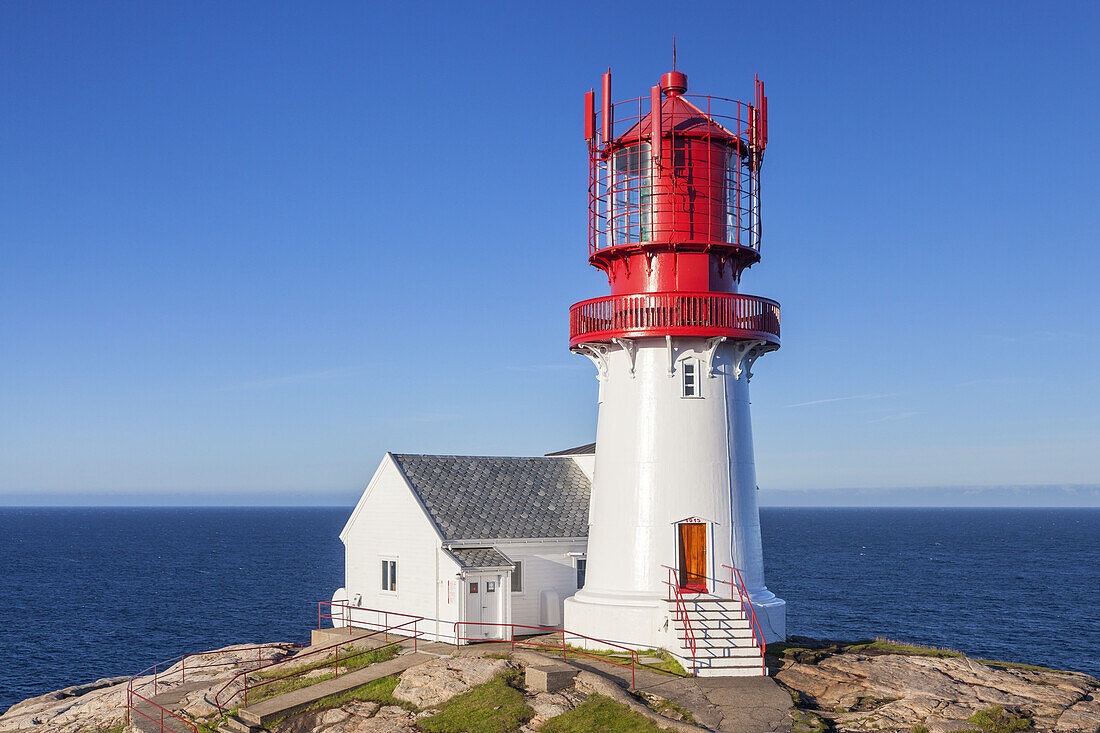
<point x="91" y="592"/>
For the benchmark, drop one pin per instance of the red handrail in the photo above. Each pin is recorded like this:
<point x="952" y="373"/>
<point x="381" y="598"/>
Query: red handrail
<point x="681" y="610"/>
<point x="564" y="649"/>
<point x="336" y="662"/>
<point x="758" y="635"/>
<point x="130" y="695"/>
<point x="158" y="677"/>
<point x="344" y="606"/>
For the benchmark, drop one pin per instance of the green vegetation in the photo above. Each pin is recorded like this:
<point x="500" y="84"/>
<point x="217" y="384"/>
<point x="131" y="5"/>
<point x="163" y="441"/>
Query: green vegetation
<point x="664" y="707"/>
<point x="379" y="691"/>
<point x="495" y="707"/>
<point x="806" y="722"/>
<point x="114" y="728"/>
<point x="600" y="714"/>
<point x="356" y="659"/>
<point x="810" y="651"/>
<point x="919" y="729"/>
<point x="657" y="660"/>
<point x="999" y="720"/>
<point x="878" y="647"/>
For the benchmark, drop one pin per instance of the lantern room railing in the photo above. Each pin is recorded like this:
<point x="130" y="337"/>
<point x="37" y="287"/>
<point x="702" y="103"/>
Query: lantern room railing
<point x="703" y="186"/>
<point x="732" y="315"/>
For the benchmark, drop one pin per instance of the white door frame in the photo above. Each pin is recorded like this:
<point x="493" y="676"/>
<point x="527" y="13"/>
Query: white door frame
<point x="502" y="601"/>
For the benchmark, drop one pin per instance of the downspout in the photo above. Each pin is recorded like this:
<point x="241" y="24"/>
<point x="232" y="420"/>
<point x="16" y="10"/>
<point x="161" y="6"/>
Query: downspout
<point x="437" y="551"/>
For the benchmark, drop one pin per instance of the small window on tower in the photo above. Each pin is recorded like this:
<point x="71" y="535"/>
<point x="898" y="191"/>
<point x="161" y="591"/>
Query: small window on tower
<point x="689" y="373"/>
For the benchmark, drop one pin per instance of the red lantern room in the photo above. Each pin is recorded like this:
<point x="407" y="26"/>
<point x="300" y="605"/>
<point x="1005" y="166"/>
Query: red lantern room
<point x="674" y="215"/>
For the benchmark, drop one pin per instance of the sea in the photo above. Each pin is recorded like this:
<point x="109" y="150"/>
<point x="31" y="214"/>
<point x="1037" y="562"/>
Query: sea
<point x="87" y="593"/>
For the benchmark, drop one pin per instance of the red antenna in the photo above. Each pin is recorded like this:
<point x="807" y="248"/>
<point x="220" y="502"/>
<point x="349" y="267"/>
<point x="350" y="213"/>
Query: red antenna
<point x="674" y="52"/>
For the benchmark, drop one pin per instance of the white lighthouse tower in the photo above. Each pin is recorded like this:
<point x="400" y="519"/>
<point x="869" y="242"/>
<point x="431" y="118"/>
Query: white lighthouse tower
<point x="674" y="557"/>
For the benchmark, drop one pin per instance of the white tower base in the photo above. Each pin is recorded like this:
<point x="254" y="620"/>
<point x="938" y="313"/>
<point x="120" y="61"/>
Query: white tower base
<point x="675" y="487"/>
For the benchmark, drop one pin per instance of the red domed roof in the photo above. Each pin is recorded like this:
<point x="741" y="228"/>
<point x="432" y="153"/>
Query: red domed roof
<point x="679" y="117"/>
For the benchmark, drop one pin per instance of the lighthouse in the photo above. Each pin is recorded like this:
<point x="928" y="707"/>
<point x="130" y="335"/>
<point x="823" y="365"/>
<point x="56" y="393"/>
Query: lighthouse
<point x="674" y="556"/>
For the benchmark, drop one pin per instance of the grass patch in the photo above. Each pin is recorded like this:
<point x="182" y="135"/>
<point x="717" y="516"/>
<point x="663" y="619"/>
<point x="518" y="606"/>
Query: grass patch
<point x="879" y="647"/>
<point x="362" y="658"/>
<point x="663" y="707"/>
<point x="600" y="714"/>
<point x="119" y="728"/>
<point x="379" y="691"/>
<point x="657" y="660"/>
<point x="495" y="707"/>
<point x="919" y="729"/>
<point x="806" y="722"/>
<point x="998" y="720"/>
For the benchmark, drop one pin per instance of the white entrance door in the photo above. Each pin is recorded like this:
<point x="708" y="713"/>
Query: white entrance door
<point x="483" y="596"/>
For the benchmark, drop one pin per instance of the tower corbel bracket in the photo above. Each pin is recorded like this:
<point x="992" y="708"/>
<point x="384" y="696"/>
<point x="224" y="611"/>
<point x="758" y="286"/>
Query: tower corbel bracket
<point x="741" y="349"/>
<point x="710" y="351"/>
<point x="631" y="349"/>
<point x="597" y="354"/>
<point x="755" y="353"/>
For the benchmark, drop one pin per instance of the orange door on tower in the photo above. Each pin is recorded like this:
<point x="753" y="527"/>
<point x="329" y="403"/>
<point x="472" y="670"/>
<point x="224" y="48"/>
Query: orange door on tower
<point x="693" y="557"/>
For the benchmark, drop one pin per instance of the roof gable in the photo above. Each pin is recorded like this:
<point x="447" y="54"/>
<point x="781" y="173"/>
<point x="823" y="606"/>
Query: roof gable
<point x="485" y="497"/>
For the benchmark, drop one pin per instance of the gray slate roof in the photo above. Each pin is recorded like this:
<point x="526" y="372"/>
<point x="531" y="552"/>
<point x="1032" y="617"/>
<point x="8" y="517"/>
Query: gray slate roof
<point x="481" y="557"/>
<point x="587" y="449"/>
<point x="479" y="497"/>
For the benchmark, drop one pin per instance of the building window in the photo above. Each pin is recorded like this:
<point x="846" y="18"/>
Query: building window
<point x="490" y="586"/>
<point x="582" y="566"/>
<point x="689" y="373"/>
<point x="517" y="578"/>
<point x="389" y="576"/>
<point x="473" y="587"/>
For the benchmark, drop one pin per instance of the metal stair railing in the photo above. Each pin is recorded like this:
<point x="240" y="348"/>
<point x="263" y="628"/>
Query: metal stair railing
<point x="681" y="612"/>
<point x="757" y="634"/>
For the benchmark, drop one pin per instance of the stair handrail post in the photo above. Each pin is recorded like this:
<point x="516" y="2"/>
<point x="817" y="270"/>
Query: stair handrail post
<point x="415" y="635"/>
<point x="336" y="664"/>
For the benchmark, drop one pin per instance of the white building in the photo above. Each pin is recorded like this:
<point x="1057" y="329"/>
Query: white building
<point x="468" y="539"/>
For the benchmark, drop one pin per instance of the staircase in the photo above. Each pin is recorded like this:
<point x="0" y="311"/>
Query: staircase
<point x="723" y="639"/>
<point x="716" y="636"/>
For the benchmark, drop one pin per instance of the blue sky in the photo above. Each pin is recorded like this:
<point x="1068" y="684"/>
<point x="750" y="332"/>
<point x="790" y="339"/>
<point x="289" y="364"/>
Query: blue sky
<point x="249" y="247"/>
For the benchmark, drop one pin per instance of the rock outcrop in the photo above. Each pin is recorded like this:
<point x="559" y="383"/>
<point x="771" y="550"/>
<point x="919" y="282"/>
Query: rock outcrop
<point x="857" y="691"/>
<point x="431" y="684"/>
<point x="101" y="705"/>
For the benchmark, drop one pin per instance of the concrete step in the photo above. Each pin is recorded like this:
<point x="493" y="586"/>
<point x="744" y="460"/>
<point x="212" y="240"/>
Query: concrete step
<point x="733" y="614"/>
<point x="754" y="671"/>
<point x="719" y="641"/>
<point x="725" y="652"/>
<point x="265" y="711"/>
<point x="713" y="623"/>
<point x="724" y="630"/>
<point x="234" y="724"/>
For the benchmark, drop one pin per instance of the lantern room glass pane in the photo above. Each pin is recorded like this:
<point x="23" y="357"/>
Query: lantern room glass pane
<point x="631" y="194"/>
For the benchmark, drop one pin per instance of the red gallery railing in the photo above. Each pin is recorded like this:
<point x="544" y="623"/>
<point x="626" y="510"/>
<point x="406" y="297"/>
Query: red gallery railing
<point x="565" y="649"/>
<point x="686" y="314"/>
<point x="167" y="673"/>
